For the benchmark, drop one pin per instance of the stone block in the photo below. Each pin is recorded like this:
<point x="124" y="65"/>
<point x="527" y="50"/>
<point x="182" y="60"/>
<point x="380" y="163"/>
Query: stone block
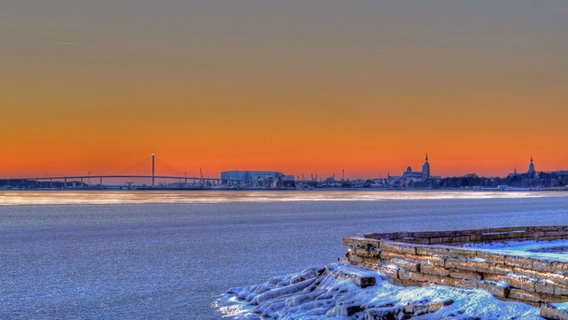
<point x="371" y="242"/>
<point x="362" y="252"/>
<point x="425" y="251"/>
<point x="388" y="271"/>
<point x="419" y="277"/>
<point x="538" y="234"/>
<point x="440" y="240"/>
<point x="407" y="265"/>
<point x="374" y="252"/>
<point x="461" y="239"/>
<point x="402" y="235"/>
<point x="389" y="255"/>
<point x="492" y="237"/>
<point x="405" y="240"/>
<point x="422" y="309"/>
<point x="465" y="283"/>
<point x="461" y="253"/>
<point x="467" y="275"/>
<point x="373" y="263"/>
<point x="498" y="289"/>
<point x="352" y="241"/>
<point x="380" y="236"/>
<point x="519" y="262"/>
<point x="549" y="311"/>
<point x="432" y="251"/>
<point x="434" y="270"/>
<point x="410" y="282"/>
<point x="499" y="269"/>
<point x="517" y="236"/>
<point x="467" y="264"/>
<point x="409" y="275"/>
<point x="542" y="286"/>
<point x="364" y="282"/>
<point x="507" y="229"/>
<point x="524" y="283"/>
<point x="475" y="237"/>
<point x="447" y="281"/>
<point x="560" y="290"/>
<point x="491" y="256"/>
<point x="446" y="252"/>
<point x="560" y="267"/>
<point x="525" y="296"/>
<point x="551" y="277"/>
<point x="542" y="266"/>
<point x="434" y="279"/>
<point x="398" y="247"/>
<point x="550" y="238"/>
<point x="549" y="228"/>
<point x="361" y="281"/>
<point x="354" y="259"/>
<point x="424" y="241"/>
<point x="431" y="234"/>
<point x="429" y="260"/>
<point x="518" y="282"/>
<point x="528" y="273"/>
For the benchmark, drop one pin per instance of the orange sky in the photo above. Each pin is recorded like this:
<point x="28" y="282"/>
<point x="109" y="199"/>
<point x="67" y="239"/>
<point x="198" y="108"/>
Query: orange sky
<point x="299" y="87"/>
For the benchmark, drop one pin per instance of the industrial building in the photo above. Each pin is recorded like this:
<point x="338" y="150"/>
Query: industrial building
<point x="257" y="179"/>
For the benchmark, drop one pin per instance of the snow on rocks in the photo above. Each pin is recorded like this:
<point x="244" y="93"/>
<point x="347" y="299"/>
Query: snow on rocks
<point x="341" y="291"/>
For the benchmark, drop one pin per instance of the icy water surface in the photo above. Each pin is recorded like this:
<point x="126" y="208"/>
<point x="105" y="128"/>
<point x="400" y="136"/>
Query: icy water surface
<point x="168" y="255"/>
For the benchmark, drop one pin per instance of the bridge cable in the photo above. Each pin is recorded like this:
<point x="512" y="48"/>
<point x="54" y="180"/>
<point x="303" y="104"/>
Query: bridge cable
<point x="160" y="161"/>
<point x="146" y="161"/>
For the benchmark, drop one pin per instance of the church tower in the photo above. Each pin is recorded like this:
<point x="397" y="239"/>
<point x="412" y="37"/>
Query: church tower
<point x="426" y="169"/>
<point x="532" y="171"/>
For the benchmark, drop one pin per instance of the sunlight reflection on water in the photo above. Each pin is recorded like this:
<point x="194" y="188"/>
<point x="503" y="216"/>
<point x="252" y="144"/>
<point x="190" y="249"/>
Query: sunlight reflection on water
<point x="140" y="197"/>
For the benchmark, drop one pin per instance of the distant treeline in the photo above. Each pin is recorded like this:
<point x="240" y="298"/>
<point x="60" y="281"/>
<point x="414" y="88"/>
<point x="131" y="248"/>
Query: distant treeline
<point x="542" y="179"/>
<point x="38" y="184"/>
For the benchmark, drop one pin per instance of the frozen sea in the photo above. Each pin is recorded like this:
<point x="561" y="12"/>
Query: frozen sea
<point x="169" y="255"/>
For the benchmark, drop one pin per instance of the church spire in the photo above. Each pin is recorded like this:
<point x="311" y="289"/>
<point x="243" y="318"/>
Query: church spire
<point x="532" y="171"/>
<point x="426" y="168"/>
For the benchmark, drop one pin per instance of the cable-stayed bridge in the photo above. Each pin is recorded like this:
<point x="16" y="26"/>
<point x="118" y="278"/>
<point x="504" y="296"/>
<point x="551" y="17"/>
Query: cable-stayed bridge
<point x="117" y="181"/>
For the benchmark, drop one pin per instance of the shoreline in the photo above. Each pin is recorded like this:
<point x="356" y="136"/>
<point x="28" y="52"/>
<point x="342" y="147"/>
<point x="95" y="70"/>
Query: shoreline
<point x="121" y="188"/>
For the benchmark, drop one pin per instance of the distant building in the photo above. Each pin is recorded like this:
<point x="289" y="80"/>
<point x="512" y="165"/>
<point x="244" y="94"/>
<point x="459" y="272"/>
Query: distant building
<point x="261" y="179"/>
<point x="426" y="169"/>
<point x="531" y="172"/>
<point x="424" y="174"/>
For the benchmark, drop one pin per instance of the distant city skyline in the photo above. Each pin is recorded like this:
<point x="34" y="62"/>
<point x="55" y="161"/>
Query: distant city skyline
<point x="296" y="86"/>
<point x="148" y="168"/>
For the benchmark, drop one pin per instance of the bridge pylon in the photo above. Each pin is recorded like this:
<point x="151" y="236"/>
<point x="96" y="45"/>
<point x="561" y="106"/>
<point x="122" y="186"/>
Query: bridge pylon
<point x="153" y="172"/>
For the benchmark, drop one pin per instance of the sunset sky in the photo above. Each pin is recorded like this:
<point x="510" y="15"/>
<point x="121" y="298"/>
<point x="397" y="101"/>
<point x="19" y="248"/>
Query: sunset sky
<point x="298" y="86"/>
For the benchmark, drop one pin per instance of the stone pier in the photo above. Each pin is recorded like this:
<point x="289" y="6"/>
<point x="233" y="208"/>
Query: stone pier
<point x="424" y="258"/>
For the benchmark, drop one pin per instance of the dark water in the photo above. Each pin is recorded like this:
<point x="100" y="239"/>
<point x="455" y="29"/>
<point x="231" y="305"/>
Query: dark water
<point x="128" y="256"/>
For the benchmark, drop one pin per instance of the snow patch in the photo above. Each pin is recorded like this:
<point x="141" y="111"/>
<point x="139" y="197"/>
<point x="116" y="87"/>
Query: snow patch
<point x="326" y="292"/>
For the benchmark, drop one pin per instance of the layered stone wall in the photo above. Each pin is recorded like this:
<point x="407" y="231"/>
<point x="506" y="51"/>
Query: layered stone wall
<point x="538" y="233"/>
<point x="422" y="258"/>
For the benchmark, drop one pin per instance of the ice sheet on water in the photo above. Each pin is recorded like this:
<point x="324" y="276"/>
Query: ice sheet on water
<point x="326" y="292"/>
